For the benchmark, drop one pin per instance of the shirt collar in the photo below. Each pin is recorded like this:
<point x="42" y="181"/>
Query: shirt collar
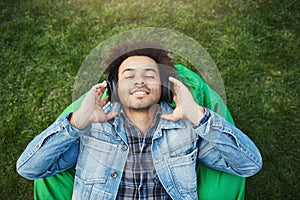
<point x="165" y="108"/>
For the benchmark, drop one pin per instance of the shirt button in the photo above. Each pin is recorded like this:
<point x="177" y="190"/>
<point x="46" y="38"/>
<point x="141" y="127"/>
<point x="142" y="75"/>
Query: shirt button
<point x="124" y="147"/>
<point x="114" y="175"/>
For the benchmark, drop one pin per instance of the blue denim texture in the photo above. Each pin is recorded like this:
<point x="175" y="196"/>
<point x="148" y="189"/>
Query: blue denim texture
<point x="99" y="155"/>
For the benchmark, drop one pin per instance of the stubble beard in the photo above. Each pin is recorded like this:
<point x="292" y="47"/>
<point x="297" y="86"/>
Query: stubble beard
<point x="141" y="106"/>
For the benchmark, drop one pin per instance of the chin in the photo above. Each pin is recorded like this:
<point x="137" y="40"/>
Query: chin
<point x="139" y="104"/>
<point x="140" y="107"/>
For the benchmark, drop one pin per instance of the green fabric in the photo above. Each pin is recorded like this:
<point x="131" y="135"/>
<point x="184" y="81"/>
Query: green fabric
<point x="212" y="184"/>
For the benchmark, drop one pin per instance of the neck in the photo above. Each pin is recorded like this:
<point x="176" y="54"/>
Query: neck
<point x="141" y="118"/>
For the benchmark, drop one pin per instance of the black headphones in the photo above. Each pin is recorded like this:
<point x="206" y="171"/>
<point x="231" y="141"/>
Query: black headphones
<point x="112" y="86"/>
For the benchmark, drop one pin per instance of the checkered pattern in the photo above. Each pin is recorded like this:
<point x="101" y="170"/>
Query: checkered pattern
<point x="139" y="180"/>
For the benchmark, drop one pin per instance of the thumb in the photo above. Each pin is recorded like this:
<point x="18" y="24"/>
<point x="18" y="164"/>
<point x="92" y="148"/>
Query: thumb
<point x="111" y="115"/>
<point x="168" y="117"/>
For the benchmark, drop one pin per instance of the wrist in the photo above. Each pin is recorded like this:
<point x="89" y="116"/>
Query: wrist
<point x="76" y="122"/>
<point x="199" y="114"/>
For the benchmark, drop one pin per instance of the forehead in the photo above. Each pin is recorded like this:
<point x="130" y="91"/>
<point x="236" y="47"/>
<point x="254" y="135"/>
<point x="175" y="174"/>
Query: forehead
<point x="138" y="62"/>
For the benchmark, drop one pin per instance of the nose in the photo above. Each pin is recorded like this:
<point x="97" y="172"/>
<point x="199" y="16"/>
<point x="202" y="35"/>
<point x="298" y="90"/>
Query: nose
<point x="139" y="81"/>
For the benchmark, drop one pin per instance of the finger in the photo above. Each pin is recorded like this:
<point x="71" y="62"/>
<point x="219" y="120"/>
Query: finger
<point x="172" y="79"/>
<point x="176" y="84"/>
<point x="101" y="86"/>
<point x="166" y="116"/>
<point x="102" y="102"/>
<point x="170" y="117"/>
<point x="175" y="81"/>
<point x="175" y="99"/>
<point x="99" y="89"/>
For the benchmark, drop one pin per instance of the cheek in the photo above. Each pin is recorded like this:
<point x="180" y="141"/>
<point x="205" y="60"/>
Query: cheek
<point x="156" y="91"/>
<point x="123" y="95"/>
<point x="122" y="88"/>
<point x="123" y="91"/>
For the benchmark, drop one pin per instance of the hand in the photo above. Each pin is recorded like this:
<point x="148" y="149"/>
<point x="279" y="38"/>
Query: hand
<point x="91" y="110"/>
<point x="186" y="107"/>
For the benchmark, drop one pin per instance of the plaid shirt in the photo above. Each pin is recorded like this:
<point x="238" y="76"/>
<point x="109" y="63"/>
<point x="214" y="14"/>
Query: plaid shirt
<point x="139" y="180"/>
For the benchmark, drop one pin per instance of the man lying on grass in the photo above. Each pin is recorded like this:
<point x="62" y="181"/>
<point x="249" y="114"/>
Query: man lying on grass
<point x="134" y="144"/>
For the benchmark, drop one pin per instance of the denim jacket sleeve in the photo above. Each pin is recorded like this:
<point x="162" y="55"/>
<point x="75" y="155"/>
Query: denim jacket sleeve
<point x="226" y="148"/>
<point x="52" y="151"/>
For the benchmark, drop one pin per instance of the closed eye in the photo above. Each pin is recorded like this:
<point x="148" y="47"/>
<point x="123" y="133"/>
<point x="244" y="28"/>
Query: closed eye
<point x="150" y="76"/>
<point x="128" y="77"/>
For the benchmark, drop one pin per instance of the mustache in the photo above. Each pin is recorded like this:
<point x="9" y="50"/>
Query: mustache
<point x="144" y="87"/>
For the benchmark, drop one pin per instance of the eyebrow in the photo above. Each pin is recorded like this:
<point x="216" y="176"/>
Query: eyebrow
<point x="145" y="69"/>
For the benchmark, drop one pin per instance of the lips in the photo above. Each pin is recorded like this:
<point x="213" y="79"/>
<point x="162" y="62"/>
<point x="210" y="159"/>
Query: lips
<point x="140" y="92"/>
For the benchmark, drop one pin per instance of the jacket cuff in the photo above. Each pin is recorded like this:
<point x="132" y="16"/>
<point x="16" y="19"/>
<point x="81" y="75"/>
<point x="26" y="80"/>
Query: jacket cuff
<point x="70" y="130"/>
<point x="204" y="119"/>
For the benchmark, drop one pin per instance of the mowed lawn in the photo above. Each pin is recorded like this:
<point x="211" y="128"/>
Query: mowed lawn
<point x="254" y="43"/>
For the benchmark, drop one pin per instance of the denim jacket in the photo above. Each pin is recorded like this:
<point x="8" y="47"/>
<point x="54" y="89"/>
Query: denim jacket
<point x="100" y="151"/>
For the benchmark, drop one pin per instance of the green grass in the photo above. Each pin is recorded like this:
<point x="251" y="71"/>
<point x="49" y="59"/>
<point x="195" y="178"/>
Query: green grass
<point x="255" y="45"/>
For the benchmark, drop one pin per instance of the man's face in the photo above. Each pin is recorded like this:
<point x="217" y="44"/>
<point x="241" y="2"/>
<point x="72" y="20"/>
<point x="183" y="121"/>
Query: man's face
<point x="139" y="85"/>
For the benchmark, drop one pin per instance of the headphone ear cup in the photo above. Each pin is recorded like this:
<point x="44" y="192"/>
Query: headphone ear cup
<point x="112" y="87"/>
<point x="166" y="92"/>
<point x="169" y="92"/>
